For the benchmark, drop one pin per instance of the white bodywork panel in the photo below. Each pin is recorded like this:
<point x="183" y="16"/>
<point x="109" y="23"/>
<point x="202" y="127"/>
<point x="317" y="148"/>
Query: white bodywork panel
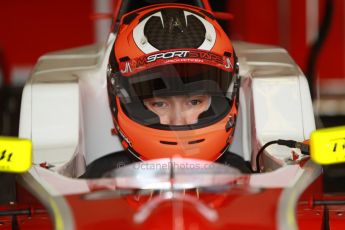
<point x="59" y="103"/>
<point x="66" y="114"/>
<point x="65" y="108"/>
<point x="275" y="102"/>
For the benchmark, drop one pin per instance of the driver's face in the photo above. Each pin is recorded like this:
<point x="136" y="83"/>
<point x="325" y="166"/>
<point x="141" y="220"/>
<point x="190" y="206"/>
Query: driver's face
<point x="178" y="110"/>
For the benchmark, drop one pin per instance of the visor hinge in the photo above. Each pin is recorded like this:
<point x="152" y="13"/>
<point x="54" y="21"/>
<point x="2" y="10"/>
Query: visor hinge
<point x="123" y="136"/>
<point x="230" y="124"/>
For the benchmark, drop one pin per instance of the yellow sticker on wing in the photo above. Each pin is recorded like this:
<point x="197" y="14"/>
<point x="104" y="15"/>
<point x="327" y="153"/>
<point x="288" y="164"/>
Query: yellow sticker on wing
<point x="15" y="154"/>
<point x="327" y="146"/>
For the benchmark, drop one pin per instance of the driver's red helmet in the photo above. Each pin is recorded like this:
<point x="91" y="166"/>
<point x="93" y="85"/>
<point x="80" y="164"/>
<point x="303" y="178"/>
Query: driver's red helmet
<point x="172" y="49"/>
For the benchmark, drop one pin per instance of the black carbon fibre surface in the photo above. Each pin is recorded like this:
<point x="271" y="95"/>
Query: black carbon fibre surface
<point x="174" y="30"/>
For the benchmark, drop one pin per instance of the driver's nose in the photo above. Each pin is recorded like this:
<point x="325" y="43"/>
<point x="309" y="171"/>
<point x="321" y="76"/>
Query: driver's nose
<point x="180" y="115"/>
<point x="177" y="117"/>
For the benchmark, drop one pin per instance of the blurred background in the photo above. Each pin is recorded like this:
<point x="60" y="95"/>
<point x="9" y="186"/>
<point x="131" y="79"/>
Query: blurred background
<point x="313" y="32"/>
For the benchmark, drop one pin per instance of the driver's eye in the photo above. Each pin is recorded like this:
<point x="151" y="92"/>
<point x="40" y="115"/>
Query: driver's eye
<point x="159" y="104"/>
<point x="195" y="102"/>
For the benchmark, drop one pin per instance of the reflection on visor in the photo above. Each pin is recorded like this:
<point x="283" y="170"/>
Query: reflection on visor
<point x="177" y="79"/>
<point x="178" y="96"/>
<point x="200" y="117"/>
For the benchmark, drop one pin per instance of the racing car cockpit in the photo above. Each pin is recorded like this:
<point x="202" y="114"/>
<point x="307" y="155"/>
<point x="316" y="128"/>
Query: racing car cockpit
<point x="266" y="96"/>
<point x="72" y="101"/>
